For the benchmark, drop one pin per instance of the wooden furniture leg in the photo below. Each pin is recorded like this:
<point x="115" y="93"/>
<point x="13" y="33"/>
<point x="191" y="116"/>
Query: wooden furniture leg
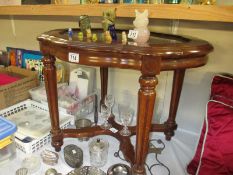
<point x="51" y="89"/>
<point x="146" y="100"/>
<point x="178" y="79"/>
<point x="104" y="83"/>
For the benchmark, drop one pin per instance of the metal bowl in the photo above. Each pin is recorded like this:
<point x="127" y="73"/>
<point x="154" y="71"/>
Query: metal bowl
<point x="119" y="169"/>
<point x="87" y="170"/>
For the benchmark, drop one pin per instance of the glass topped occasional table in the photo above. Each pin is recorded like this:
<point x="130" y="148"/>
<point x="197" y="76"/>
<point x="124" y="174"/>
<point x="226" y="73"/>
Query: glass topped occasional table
<point x="163" y="52"/>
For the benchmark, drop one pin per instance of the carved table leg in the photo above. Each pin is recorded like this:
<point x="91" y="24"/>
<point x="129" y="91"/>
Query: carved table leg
<point x="51" y="90"/>
<point x="104" y="83"/>
<point x="146" y="100"/>
<point x="178" y="79"/>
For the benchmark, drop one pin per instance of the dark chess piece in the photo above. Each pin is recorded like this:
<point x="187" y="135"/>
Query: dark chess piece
<point x="112" y="31"/>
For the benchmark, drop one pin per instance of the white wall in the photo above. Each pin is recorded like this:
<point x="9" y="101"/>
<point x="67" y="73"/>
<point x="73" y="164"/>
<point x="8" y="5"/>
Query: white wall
<point x="22" y="32"/>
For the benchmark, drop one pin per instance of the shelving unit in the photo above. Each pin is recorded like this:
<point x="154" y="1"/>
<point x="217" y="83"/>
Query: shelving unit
<point x="161" y="11"/>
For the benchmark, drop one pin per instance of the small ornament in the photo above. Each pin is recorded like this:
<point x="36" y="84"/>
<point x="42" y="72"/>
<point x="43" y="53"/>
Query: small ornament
<point x="51" y="171"/>
<point x="73" y="156"/>
<point x="80" y="36"/>
<point x="88" y="33"/>
<point x="124" y="37"/>
<point x="84" y="23"/>
<point x="94" y="37"/>
<point x="112" y="31"/>
<point x="109" y="18"/>
<point x="108" y="37"/>
<point x="21" y="171"/>
<point x="70" y="33"/>
<point x="49" y="157"/>
<point x="141" y="21"/>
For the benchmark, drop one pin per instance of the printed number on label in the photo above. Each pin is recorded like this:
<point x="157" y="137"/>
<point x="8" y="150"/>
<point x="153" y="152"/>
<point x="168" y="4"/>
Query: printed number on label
<point x="74" y="57"/>
<point x="133" y="34"/>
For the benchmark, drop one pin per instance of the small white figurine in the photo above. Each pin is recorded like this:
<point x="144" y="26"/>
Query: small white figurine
<point x="124" y="37"/>
<point x="140" y="23"/>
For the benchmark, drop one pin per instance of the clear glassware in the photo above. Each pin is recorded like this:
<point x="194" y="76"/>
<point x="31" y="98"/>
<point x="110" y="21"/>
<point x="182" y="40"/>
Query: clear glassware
<point x="105" y="113"/>
<point x="98" y="149"/>
<point x="126" y="114"/>
<point x="109" y="101"/>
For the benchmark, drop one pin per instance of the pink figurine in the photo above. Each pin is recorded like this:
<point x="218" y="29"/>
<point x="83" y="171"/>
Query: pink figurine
<point x="140" y="23"/>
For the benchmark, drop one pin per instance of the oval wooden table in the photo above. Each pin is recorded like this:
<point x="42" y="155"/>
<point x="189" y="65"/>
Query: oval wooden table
<point x="163" y="52"/>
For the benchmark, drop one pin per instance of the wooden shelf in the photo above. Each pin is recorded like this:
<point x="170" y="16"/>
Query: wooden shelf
<point x="162" y="11"/>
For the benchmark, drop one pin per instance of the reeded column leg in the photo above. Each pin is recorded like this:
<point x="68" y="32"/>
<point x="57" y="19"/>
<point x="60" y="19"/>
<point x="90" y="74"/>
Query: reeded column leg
<point x="178" y="79"/>
<point x="104" y="83"/>
<point x="146" y="100"/>
<point x="51" y="90"/>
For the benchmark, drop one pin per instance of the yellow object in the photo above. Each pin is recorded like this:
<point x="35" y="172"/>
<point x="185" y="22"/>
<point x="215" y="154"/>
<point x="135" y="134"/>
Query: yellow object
<point x="89" y="35"/>
<point x="94" y="37"/>
<point x="108" y="37"/>
<point x="80" y="36"/>
<point x="6" y="141"/>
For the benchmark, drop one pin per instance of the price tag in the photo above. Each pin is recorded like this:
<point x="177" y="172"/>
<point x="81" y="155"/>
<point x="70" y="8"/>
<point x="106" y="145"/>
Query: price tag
<point x="113" y="130"/>
<point x="133" y="34"/>
<point x="73" y="57"/>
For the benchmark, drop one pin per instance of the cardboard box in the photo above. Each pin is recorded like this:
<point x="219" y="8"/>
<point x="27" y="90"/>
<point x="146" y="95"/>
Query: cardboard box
<point x="18" y="91"/>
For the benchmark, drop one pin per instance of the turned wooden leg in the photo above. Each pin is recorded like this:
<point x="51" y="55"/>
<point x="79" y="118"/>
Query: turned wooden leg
<point x="178" y="79"/>
<point x="104" y="83"/>
<point x="146" y="100"/>
<point x="51" y="90"/>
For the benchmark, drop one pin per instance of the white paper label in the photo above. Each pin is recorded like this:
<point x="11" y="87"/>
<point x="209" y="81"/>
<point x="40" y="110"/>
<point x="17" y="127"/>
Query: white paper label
<point x="73" y="151"/>
<point x="133" y="34"/>
<point x="113" y="130"/>
<point x="73" y="57"/>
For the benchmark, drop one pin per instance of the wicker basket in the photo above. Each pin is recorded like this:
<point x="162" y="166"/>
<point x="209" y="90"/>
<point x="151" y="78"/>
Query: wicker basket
<point x="18" y="91"/>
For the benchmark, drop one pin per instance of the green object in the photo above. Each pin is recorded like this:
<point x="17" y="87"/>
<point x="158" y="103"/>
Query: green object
<point x="172" y="1"/>
<point x="84" y="23"/>
<point x="109" y="18"/>
<point x="94" y="37"/>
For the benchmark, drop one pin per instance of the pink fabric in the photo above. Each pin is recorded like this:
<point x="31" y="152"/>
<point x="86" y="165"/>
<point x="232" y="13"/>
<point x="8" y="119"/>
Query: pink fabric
<point x="222" y="89"/>
<point x="217" y="157"/>
<point x="6" y="79"/>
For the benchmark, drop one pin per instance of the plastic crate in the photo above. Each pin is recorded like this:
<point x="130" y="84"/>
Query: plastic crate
<point x="37" y="143"/>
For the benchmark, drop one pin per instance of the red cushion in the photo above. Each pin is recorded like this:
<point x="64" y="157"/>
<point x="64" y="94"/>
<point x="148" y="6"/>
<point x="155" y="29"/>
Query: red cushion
<point x="215" y="150"/>
<point x="222" y="89"/>
<point x="7" y="79"/>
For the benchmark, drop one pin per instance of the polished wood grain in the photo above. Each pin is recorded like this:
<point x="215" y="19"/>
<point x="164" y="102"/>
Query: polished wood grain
<point x="163" y="52"/>
<point x="161" y="11"/>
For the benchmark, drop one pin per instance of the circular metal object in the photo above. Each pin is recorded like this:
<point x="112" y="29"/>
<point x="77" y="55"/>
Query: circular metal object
<point x="51" y="171"/>
<point x="89" y="170"/>
<point x="49" y="157"/>
<point x="22" y="171"/>
<point x="82" y="123"/>
<point x="73" y="156"/>
<point x="119" y="169"/>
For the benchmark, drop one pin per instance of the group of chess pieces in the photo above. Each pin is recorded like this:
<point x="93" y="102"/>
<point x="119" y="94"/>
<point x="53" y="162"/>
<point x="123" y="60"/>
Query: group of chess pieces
<point x="108" y="24"/>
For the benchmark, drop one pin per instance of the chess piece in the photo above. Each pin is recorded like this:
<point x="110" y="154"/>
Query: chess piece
<point x="80" y="36"/>
<point x="108" y="37"/>
<point x="140" y="23"/>
<point x="70" y="33"/>
<point x="94" y="37"/>
<point x="84" y="23"/>
<point x="124" y="37"/>
<point x="112" y="31"/>
<point x="89" y="35"/>
<point x="109" y="18"/>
